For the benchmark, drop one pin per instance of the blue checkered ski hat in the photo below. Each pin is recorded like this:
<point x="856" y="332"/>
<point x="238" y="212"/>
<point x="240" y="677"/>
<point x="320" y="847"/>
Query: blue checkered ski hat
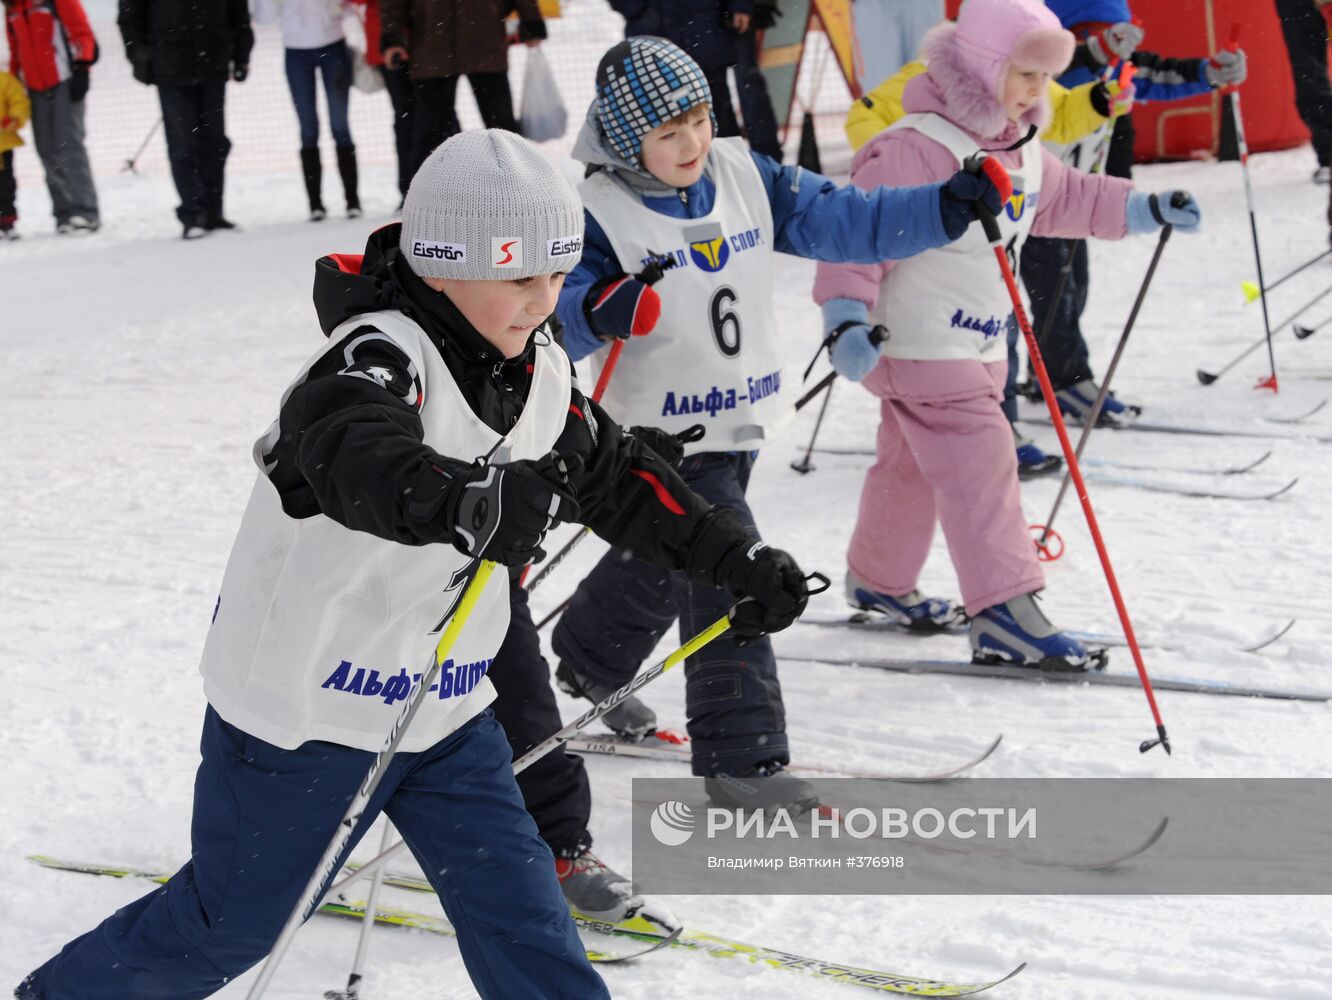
<point x="642" y="82"/>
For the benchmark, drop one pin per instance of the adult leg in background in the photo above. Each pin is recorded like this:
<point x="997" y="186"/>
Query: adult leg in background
<point x="494" y="99"/>
<point x="436" y="117"/>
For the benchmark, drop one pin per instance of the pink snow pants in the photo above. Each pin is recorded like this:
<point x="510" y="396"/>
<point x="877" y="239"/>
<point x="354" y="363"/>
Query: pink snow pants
<point x="945" y="451"/>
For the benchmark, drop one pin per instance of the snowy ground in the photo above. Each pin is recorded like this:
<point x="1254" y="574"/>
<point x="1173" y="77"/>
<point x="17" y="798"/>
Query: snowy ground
<point x="140" y="369"/>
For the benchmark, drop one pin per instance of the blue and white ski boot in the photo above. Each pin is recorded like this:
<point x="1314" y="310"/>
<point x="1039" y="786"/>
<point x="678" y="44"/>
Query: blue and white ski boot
<point x="1017" y="633"/>
<point x="1076" y="403"/>
<point x="911" y="611"/>
<point x="1032" y="461"/>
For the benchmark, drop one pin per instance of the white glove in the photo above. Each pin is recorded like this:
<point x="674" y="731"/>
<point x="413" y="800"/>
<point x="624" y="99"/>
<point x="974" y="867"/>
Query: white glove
<point x="1227" y="68"/>
<point x="1119" y="41"/>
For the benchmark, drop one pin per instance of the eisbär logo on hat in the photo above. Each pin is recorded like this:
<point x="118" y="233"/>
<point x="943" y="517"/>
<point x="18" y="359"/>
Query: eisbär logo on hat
<point x="506" y="251"/>
<point x="439" y="251"/>
<point x="564" y="246"/>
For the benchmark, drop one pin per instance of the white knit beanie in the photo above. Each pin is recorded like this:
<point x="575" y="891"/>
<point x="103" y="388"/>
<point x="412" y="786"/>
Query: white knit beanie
<point x="487" y="204"/>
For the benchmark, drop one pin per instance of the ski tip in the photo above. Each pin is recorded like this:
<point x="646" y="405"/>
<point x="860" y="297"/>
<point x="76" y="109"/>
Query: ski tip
<point x="1239" y="470"/>
<point x="1285" y="489"/>
<point x="1270" y="639"/>
<point x="1251" y="291"/>
<point x="1206" y="378"/>
<point x="983" y="987"/>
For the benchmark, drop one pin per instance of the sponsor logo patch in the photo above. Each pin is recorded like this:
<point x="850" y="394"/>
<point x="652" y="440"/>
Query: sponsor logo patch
<point x="506" y="251"/>
<point x="440" y="251"/>
<point x="564" y="246"/>
<point x="707" y="247"/>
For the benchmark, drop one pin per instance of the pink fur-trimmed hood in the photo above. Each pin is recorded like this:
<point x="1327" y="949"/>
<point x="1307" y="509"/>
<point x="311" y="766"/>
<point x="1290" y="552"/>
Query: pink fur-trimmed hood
<point x="969" y="60"/>
<point x="951" y="88"/>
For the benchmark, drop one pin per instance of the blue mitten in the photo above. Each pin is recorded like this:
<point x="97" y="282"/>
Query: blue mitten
<point x="1149" y="212"/>
<point x="854" y="354"/>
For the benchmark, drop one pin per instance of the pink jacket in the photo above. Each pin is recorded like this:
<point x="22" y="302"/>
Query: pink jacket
<point x="1071" y="204"/>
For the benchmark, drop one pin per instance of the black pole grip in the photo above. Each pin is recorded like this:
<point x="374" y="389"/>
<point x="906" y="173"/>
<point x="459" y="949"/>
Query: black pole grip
<point x="972" y="165"/>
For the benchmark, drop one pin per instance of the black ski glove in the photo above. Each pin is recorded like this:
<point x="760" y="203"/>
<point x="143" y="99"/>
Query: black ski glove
<point x="667" y="445"/>
<point x="502" y="512"/>
<point x="725" y="553"/>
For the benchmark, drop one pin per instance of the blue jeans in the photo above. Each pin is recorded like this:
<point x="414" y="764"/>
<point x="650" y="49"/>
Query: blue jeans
<point x="262" y="819"/>
<point x="334" y="62"/>
<point x="624" y="607"/>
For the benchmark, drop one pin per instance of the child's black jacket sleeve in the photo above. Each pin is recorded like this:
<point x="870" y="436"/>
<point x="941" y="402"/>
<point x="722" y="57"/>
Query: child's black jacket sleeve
<point x="629" y="495"/>
<point x="350" y="445"/>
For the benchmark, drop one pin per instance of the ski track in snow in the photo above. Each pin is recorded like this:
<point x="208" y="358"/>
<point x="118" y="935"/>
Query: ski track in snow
<point x="138" y="372"/>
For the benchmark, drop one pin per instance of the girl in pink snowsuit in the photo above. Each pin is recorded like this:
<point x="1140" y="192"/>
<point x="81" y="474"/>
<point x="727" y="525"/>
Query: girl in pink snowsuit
<point x="945" y="449"/>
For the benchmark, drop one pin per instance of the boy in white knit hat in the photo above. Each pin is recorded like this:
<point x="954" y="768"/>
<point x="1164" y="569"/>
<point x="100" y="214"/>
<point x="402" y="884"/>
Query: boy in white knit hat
<point x="438" y="426"/>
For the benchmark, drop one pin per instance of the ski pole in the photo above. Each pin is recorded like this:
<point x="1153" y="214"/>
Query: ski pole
<point x="346" y="829"/>
<point x="992" y="168"/>
<point x="1251" y="291"/>
<point x="555" y="614"/>
<point x="877" y="335"/>
<point x="1179" y="200"/>
<point x="1207" y="378"/>
<point x="352" y="992"/>
<point x="1233" y="92"/>
<point x="713" y="631"/>
<point x="804" y="465"/>
<point x="129" y="164"/>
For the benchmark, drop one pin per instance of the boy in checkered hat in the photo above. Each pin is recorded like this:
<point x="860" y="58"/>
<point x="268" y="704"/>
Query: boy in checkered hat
<point x="704" y="350"/>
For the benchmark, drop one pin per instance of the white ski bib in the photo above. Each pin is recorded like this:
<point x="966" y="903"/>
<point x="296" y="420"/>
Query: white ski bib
<point x="713" y="357"/>
<point x="951" y="303"/>
<point x="320" y="631"/>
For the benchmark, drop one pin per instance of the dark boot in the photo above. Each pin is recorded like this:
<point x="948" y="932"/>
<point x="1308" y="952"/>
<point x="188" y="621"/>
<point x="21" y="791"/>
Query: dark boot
<point x="347" y="168"/>
<point x="314" y="177"/>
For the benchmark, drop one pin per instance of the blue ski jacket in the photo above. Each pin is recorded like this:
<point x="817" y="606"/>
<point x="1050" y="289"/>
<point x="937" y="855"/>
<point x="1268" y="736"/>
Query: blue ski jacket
<point x="812" y="217"/>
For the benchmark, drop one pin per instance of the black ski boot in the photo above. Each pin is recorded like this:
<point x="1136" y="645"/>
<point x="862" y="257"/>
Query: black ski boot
<point x="313" y="172"/>
<point x="767" y="786"/>
<point x="630" y="718"/>
<point x="347" y="168"/>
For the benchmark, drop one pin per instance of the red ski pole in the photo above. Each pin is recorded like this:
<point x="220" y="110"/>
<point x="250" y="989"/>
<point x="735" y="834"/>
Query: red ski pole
<point x="658" y="264"/>
<point x="994" y="170"/>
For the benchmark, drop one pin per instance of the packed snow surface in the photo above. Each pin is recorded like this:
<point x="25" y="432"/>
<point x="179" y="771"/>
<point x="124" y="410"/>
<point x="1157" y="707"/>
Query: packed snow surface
<point x="140" y="369"/>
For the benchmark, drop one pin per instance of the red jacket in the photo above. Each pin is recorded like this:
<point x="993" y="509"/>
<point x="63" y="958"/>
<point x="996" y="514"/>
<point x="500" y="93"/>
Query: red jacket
<point x="373" y="56"/>
<point x="45" y="37"/>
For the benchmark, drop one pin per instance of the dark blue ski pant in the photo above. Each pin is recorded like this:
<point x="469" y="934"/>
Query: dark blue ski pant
<point x="263" y="817"/>
<point x="624" y="607"/>
<point x="1064" y="348"/>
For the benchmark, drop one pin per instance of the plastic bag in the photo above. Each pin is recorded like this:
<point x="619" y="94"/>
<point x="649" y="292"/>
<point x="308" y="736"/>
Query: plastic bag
<point x="542" y="115"/>
<point x="365" y="78"/>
